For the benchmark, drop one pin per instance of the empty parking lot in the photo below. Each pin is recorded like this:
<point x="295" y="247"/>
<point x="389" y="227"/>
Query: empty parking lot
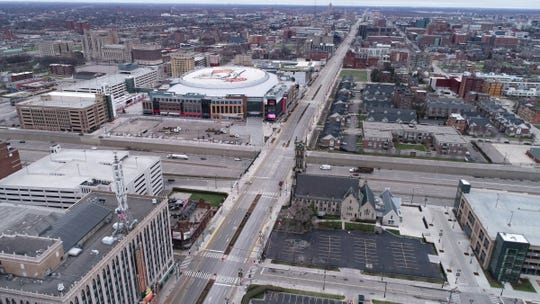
<point x="287" y="298"/>
<point x="378" y="253"/>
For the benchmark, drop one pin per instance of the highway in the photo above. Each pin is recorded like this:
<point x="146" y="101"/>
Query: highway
<point x="438" y="188"/>
<point x="260" y="185"/>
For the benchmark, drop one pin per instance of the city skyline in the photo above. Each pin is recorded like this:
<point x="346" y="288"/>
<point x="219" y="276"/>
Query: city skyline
<point x="520" y="4"/>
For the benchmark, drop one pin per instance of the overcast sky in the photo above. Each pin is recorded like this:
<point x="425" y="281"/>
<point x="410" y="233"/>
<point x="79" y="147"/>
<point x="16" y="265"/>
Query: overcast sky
<point x="523" y="4"/>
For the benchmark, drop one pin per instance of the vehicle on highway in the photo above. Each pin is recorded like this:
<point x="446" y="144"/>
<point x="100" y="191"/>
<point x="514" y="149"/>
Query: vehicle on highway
<point x="177" y="156"/>
<point x="361" y="170"/>
<point x="237" y="159"/>
<point x="326" y="167"/>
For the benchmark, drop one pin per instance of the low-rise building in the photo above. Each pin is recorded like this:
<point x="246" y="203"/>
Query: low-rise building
<point x="444" y="106"/>
<point x="502" y="229"/>
<point x="344" y="197"/>
<point x="445" y="140"/>
<point x="66" y="175"/>
<point x="529" y="110"/>
<point x="10" y="161"/>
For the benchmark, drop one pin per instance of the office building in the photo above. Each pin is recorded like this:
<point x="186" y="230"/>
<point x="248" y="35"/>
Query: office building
<point x="92" y="253"/>
<point x="502" y="227"/>
<point x="181" y="63"/>
<point x="64" y="176"/>
<point x="121" y="86"/>
<point x="65" y="111"/>
<point x="55" y="48"/>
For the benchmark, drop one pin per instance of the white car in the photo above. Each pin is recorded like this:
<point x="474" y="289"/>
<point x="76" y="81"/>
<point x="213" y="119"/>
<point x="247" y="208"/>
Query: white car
<point x="237" y="159"/>
<point x="326" y="167"/>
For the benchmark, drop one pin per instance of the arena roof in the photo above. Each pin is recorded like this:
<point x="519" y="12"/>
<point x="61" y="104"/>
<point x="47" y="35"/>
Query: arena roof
<point x="226" y="80"/>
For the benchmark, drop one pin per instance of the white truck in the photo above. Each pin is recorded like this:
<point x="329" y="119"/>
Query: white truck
<point x="177" y="156"/>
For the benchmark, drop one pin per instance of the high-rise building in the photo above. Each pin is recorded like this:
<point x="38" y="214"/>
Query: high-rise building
<point x="55" y="48"/>
<point x="95" y="253"/>
<point x="181" y="63"/>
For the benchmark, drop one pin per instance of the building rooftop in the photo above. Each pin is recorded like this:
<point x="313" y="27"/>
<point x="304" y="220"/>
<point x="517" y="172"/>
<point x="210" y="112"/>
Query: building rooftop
<point x="516" y="238"/>
<point x="372" y="125"/>
<point x="113" y="79"/>
<point x="73" y="268"/>
<point x="70" y="168"/>
<point x="24" y="245"/>
<point x="509" y="212"/>
<point x="226" y="80"/>
<point x="326" y="187"/>
<point x="63" y="100"/>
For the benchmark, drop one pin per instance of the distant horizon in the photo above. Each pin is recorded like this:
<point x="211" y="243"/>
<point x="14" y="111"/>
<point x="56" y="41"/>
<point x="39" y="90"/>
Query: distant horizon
<point x="456" y="4"/>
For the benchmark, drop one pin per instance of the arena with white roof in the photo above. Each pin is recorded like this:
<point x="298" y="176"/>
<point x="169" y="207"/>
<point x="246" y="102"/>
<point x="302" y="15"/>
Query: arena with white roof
<point x="227" y="92"/>
<point x="227" y="80"/>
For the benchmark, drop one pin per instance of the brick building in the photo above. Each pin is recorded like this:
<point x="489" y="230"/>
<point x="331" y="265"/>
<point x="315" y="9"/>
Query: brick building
<point x="9" y="160"/>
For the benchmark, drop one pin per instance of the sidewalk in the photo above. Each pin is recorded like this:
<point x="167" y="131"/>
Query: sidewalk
<point x="460" y="265"/>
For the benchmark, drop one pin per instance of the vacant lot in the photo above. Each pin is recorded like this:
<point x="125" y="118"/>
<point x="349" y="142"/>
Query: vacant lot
<point x="358" y="75"/>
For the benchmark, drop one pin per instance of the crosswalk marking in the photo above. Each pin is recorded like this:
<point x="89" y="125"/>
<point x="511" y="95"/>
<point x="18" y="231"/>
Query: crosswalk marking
<point x="493" y="299"/>
<point x="270" y="194"/>
<point x="206" y="276"/>
<point x="185" y="263"/>
<point x="219" y="255"/>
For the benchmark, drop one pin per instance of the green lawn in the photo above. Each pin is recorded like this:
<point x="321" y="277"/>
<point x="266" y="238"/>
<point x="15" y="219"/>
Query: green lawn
<point x="523" y="285"/>
<point x="492" y="282"/>
<point x="358" y="75"/>
<point x="360" y="227"/>
<point x="394" y="231"/>
<point x="382" y="302"/>
<point x="413" y="147"/>
<point x="215" y="199"/>
<point x="330" y="225"/>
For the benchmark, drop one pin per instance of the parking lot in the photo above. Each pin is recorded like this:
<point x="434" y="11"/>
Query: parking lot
<point x="177" y="128"/>
<point x="287" y="298"/>
<point x="376" y="253"/>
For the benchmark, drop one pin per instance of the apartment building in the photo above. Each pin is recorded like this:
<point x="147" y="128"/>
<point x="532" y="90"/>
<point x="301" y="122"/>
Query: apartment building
<point x="65" y="111"/>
